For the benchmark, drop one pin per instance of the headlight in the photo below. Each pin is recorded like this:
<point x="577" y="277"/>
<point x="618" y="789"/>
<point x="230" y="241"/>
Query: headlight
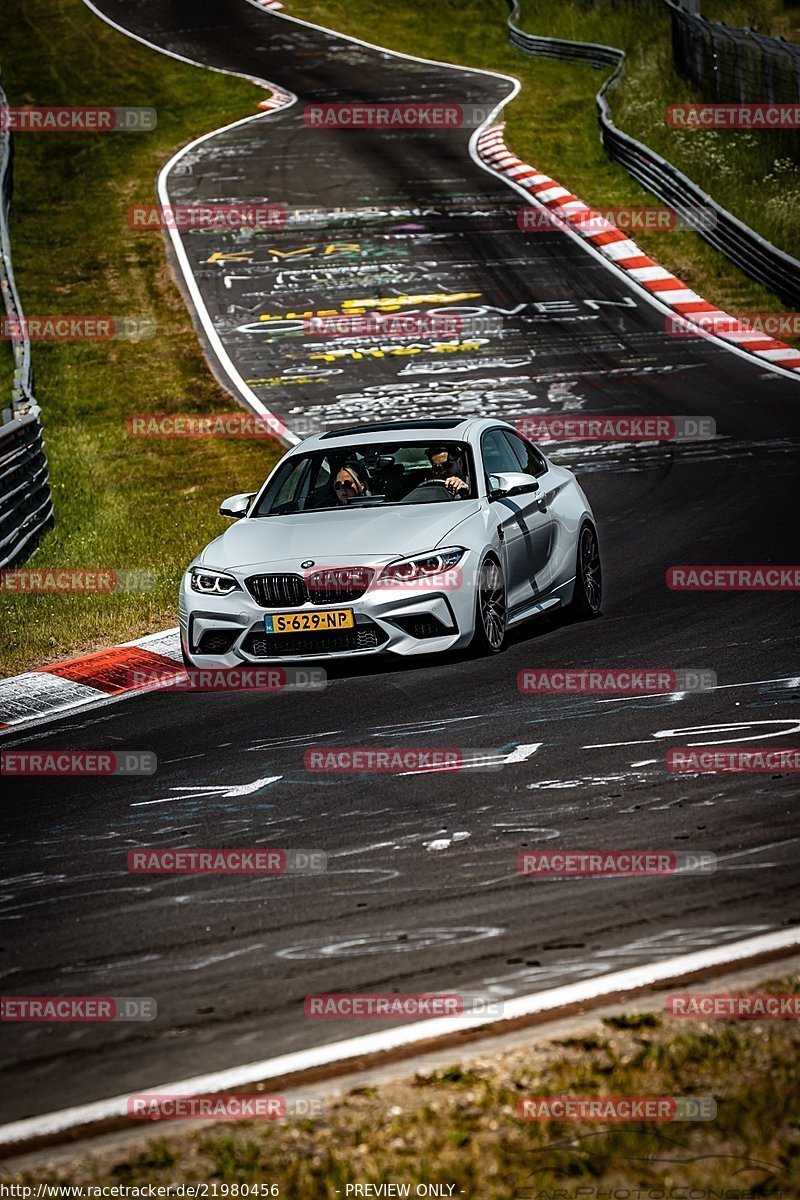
<point x="212" y="583"/>
<point x="421" y="566"/>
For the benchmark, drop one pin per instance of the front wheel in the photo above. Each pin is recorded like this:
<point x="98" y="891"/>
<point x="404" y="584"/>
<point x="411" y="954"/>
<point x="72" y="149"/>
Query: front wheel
<point x="588" y="594"/>
<point x="491" y="615"/>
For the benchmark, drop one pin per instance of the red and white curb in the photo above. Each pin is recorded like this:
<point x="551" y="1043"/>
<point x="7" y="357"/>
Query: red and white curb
<point x="88" y="680"/>
<point x="279" y="98"/>
<point x="624" y="254"/>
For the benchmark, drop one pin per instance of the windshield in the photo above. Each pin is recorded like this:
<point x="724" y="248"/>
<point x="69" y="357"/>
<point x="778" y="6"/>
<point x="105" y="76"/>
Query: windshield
<point x="370" y="476"/>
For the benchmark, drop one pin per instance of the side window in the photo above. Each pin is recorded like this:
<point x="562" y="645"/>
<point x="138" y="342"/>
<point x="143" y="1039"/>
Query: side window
<point x="285" y="489"/>
<point x="529" y="459"/>
<point x="291" y="485"/>
<point x="497" y="453"/>
<point x="323" y="476"/>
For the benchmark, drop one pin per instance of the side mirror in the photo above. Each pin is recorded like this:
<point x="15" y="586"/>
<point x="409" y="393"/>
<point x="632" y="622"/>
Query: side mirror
<point x="511" y="483"/>
<point x="236" y="506"/>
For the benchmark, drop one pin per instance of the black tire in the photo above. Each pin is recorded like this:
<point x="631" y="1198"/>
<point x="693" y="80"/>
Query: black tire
<point x="587" y="597"/>
<point x="491" y="610"/>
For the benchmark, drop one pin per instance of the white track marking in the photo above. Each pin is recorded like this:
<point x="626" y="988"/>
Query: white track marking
<point x="790" y="681"/>
<point x="240" y="388"/>
<point x="787" y="727"/>
<point x="221" y="791"/>
<point x="756" y="849"/>
<point x="495" y="759"/>
<point x="49" y="1124"/>
<point x="230" y="370"/>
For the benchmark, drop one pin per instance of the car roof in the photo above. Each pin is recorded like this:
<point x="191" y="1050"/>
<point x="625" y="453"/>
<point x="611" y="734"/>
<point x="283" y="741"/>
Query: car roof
<point x="460" y="428"/>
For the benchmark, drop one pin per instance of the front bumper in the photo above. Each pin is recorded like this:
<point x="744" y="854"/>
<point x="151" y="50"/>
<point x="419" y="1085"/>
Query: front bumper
<point x="226" y="631"/>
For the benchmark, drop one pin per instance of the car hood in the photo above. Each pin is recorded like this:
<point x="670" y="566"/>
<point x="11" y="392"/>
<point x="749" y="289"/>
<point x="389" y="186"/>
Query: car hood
<point x="358" y="534"/>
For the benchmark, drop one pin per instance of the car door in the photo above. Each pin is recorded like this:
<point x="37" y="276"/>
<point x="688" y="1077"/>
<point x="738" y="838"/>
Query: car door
<point x="554" y="501"/>
<point x="524" y="523"/>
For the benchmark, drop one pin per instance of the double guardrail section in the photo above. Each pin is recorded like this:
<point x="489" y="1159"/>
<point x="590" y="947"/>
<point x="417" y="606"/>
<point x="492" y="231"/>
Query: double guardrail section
<point x="26" y="504"/>
<point x="753" y="254"/>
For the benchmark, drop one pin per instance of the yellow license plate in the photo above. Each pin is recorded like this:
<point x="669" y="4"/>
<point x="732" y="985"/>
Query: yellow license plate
<point x="309" y="622"/>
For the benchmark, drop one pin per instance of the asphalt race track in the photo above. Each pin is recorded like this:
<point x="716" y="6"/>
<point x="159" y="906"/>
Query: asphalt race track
<point x="422" y="891"/>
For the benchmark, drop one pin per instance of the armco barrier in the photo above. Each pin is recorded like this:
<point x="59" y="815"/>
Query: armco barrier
<point x="753" y="254"/>
<point x="734" y="64"/>
<point x="26" y="506"/>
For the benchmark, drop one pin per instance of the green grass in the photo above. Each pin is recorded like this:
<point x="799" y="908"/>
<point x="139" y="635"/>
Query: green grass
<point x="460" y="1125"/>
<point x="6" y="371"/>
<point x="119" y="503"/>
<point x="755" y="175"/>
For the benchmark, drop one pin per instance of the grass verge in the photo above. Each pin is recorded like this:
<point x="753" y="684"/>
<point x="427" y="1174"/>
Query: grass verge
<point x="120" y="503"/>
<point x="461" y="1125"/>
<point x="755" y="175"/>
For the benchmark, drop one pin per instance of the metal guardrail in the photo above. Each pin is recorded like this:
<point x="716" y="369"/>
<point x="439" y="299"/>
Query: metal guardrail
<point x="26" y="505"/>
<point x="736" y="64"/>
<point x="753" y="254"/>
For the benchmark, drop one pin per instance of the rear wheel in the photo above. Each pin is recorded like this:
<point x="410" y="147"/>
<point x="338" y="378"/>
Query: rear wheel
<point x="588" y="594"/>
<point x="491" y="615"/>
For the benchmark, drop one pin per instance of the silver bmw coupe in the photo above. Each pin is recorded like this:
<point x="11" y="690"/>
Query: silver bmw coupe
<point x="410" y="537"/>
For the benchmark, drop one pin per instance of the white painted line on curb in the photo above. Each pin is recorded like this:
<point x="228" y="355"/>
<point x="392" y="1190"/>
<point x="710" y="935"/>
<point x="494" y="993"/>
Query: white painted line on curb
<point x="50" y="1124"/>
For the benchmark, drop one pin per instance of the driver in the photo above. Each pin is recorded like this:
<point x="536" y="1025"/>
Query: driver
<point x="449" y="468"/>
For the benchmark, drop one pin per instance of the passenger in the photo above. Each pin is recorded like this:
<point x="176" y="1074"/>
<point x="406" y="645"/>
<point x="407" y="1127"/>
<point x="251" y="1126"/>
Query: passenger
<point x="351" y="483"/>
